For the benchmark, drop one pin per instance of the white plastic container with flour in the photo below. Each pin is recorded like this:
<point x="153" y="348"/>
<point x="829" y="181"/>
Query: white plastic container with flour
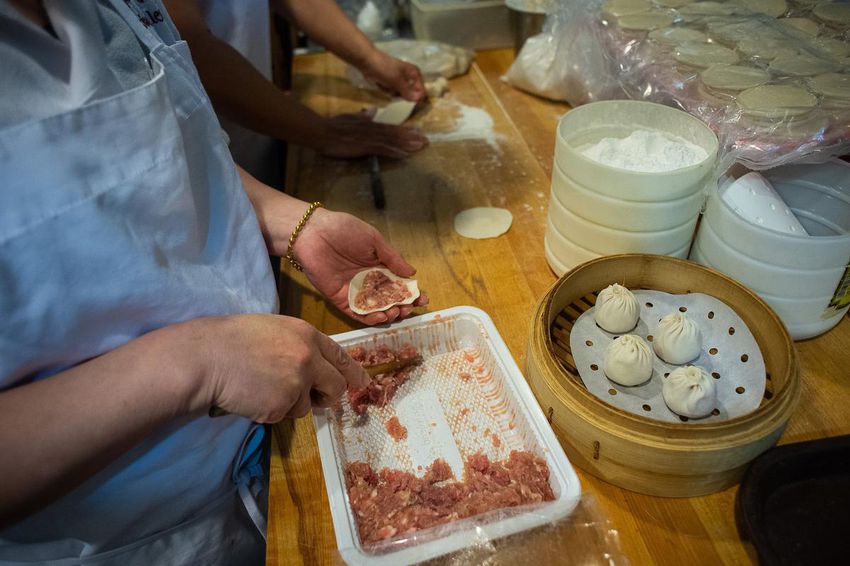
<point x="804" y="278"/>
<point x="628" y="177"/>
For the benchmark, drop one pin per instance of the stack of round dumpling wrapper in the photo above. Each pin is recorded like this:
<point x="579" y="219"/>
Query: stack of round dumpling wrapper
<point x="729" y="354"/>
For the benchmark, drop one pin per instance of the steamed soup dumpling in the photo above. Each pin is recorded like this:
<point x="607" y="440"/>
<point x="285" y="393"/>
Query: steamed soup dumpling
<point x="690" y="392"/>
<point x="628" y="360"/>
<point x="616" y="309"/>
<point x="677" y="339"/>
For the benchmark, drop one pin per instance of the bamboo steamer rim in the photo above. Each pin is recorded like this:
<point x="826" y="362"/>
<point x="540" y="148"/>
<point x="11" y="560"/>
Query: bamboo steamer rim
<point x="786" y="392"/>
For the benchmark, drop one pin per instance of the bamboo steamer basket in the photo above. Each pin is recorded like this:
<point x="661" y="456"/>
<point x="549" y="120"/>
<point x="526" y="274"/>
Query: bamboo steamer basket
<point x="634" y="452"/>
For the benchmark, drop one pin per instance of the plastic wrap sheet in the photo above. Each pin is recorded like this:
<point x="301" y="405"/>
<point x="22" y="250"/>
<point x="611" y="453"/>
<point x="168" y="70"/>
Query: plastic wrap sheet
<point x="585" y="54"/>
<point x="586" y="537"/>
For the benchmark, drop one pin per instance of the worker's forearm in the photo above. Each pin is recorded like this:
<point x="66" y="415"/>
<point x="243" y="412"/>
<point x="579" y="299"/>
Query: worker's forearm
<point x="239" y="92"/>
<point x="277" y="213"/>
<point x="57" y="432"/>
<point x="324" y="22"/>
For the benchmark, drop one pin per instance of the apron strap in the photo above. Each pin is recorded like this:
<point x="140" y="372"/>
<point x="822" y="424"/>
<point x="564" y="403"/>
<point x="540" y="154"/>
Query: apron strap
<point x="248" y="472"/>
<point x="250" y="503"/>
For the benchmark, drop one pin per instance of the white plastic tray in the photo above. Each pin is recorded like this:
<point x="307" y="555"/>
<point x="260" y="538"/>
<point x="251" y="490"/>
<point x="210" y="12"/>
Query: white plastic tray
<point x="449" y="417"/>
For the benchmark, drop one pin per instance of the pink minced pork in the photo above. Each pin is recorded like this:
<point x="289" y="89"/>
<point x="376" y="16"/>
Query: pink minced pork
<point x="394" y="503"/>
<point x="379" y="292"/>
<point x="383" y="387"/>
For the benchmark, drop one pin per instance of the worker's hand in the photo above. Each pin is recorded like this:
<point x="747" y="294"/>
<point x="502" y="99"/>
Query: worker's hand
<point x="394" y="75"/>
<point x="268" y="367"/>
<point x="356" y="135"/>
<point x="335" y="246"/>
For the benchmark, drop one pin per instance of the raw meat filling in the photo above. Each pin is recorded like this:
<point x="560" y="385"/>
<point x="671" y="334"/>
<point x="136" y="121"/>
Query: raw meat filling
<point x="383" y="386"/>
<point x="395" y="429"/>
<point x="392" y="502"/>
<point x="379" y="291"/>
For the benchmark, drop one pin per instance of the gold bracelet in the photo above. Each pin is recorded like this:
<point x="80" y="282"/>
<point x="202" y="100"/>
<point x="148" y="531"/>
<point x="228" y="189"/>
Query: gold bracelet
<point x="290" y="252"/>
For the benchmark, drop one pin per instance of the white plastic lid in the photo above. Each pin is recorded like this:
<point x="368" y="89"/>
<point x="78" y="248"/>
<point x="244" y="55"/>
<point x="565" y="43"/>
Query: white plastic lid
<point x="754" y="198"/>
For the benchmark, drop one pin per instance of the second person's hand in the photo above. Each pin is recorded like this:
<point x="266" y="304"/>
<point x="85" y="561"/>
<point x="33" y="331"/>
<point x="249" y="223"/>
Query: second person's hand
<point x="356" y="135"/>
<point x="394" y="75"/>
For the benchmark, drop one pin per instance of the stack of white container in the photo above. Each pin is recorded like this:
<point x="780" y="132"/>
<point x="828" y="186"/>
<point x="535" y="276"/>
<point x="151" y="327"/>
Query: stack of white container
<point x="787" y="237"/>
<point x="597" y="209"/>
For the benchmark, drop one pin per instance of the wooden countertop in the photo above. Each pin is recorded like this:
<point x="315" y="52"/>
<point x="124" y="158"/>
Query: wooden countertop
<point x="505" y="277"/>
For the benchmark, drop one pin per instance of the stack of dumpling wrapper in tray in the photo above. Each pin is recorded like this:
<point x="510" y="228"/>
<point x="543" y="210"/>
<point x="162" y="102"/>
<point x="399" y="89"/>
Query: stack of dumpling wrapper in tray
<point x="729" y="354"/>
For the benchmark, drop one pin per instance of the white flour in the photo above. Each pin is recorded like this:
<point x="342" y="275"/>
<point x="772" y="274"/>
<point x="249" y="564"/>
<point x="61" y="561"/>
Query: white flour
<point x="473" y="123"/>
<point x="645" y="151"/>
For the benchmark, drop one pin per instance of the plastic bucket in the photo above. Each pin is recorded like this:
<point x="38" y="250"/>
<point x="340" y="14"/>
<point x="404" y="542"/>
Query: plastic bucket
<point x="618" y="118"/>
<point x="596" y="209"/>
<point x="801" y="277"/>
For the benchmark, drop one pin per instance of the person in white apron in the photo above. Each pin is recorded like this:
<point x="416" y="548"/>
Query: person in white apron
<point x="130" y="253"/>
<point x="231" y="41"/>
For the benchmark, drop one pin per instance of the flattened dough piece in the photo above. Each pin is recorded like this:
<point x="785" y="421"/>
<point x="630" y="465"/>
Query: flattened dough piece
<point x="437" y="87"/>
<point x="395" y="113"/>
<point x="483" y="222"/>
<point x="704" y="54"/>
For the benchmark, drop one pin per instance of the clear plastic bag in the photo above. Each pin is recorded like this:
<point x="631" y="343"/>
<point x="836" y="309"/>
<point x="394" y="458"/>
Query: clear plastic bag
<point x="585" y="537"/>
<point x="800" y="112"/>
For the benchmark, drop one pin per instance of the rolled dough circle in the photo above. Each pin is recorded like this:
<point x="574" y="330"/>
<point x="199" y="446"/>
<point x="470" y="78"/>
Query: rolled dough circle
<point x="645" y="22"/>
<point x="800" y="65"/>
<point x="677" y="35"/>
<point x="483" y="222"/>
<point x="733" y="77"/>
<point x="704" y="54"/>
<point x="833" y="13"/>
<point x="832" y="85"/>
<point x="776" y="101"/>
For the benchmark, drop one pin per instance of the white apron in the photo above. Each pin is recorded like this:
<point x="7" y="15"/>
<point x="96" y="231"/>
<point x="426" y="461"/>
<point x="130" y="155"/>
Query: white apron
<point x="116" y="218"/>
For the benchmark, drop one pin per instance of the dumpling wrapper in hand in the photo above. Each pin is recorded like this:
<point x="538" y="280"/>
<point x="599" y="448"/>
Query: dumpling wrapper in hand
<point x="395" y="113"/>
<point x="690" y="392"/>
<point x="483" y="222"/>
<point x="376" y="289"/>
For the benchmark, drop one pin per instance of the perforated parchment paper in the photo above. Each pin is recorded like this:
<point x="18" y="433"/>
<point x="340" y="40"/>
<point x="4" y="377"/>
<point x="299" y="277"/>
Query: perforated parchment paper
<point x="466" y="396"/>
<point x="729" y="353"/>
